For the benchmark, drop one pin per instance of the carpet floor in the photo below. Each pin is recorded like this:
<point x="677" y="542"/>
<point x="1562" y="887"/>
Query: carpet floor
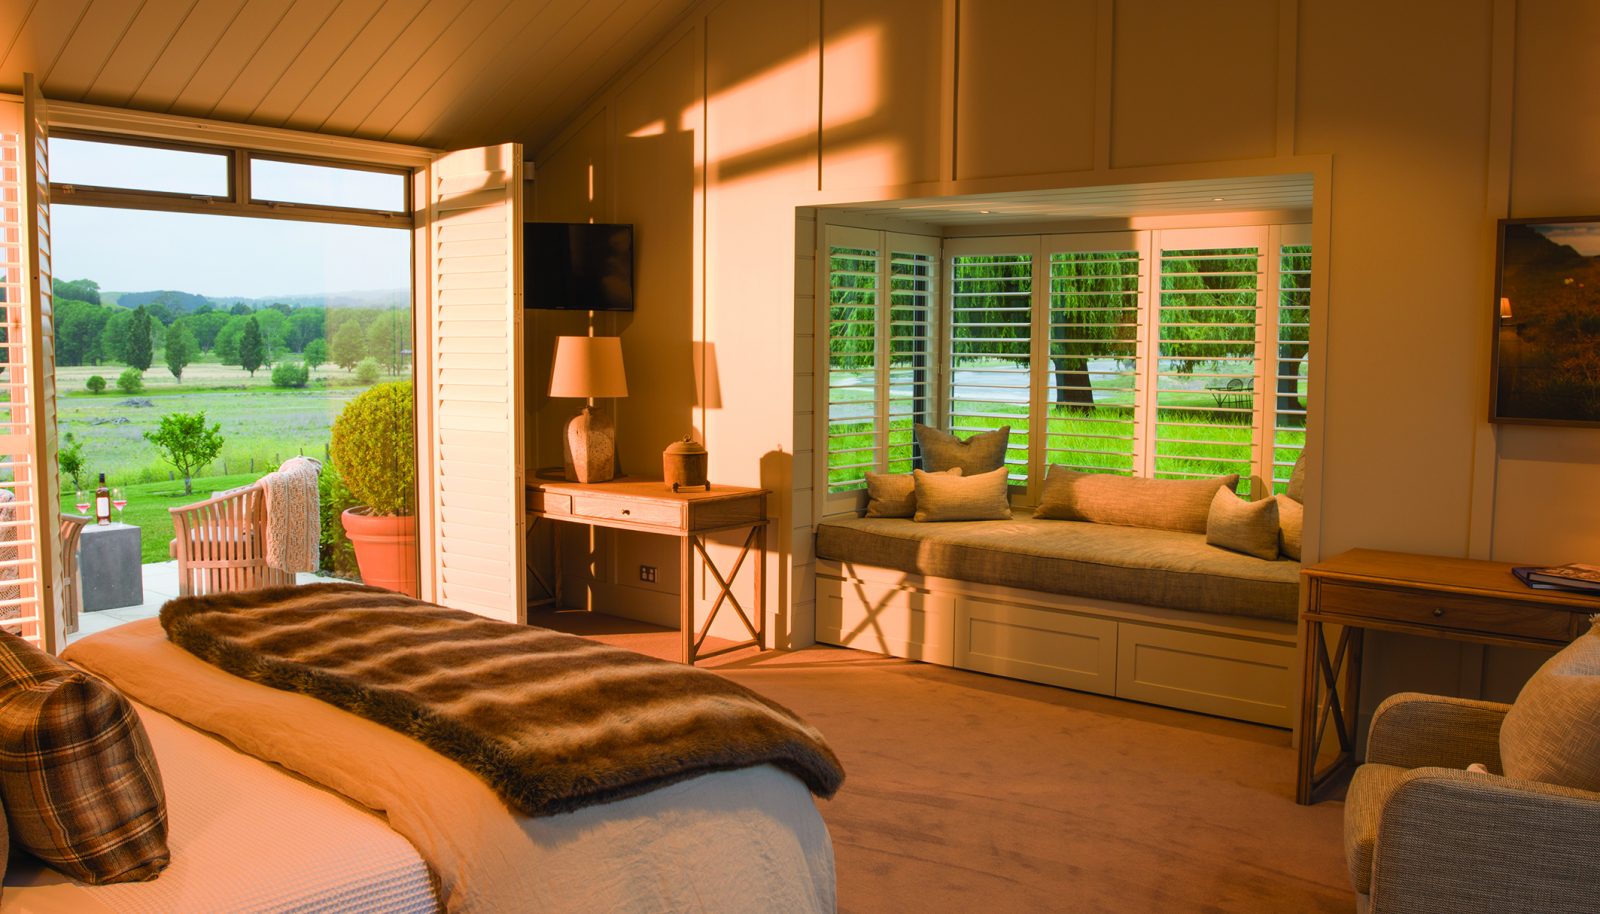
<point x="973" y="793"/>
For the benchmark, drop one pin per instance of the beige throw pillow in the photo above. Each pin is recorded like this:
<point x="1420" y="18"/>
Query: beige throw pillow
<point x="1552" y="732"/>
<point x="1250" y="527"/>
<point x="1297" y="480"/>
<point x="943" y="496"/>
<point x="894" y="494"/>
<point x="1130" y="501"/>
<point x="1291" y="523"/>
<point x="981" y="453"/>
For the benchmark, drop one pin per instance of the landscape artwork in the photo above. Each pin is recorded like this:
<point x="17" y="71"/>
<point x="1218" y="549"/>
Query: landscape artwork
<point x="1547" y="330"/>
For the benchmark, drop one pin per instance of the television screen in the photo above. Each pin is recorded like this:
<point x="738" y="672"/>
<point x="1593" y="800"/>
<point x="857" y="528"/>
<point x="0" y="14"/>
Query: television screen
<point x="578" y="266"/>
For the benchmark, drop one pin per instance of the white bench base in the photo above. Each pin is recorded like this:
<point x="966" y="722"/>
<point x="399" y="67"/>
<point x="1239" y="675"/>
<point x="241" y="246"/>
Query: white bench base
<point x="1230" y="666"/>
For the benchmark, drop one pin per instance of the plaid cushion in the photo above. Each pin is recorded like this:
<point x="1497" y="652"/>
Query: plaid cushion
<point x="78" y="778"/>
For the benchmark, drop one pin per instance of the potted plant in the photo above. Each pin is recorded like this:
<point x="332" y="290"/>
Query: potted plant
<point x="374" y="451"/>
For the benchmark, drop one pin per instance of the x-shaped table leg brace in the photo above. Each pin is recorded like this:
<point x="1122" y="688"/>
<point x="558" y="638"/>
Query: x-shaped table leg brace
<point x="725" y="590"/>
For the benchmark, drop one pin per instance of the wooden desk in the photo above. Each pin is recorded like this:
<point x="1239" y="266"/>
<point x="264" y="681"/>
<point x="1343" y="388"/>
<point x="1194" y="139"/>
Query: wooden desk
<point x="1457" y="599"/>
<point x="648" y="506"/>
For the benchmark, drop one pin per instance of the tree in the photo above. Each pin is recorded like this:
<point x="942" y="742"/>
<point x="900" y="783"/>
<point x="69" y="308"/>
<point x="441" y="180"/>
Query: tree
<point x="226" y="344"/>
<point x="290" y="374"/>
<point x="316" y="353"/>
<point x="181" y="348"/>
<point x="349" y="346"/>
<point x="367" y="370"/>
<point x="206" y="325"/>
<point x="69" y="458"/>
<point x="185" y="442"/>
<point x="78" y="328"/>
<point x="240" y="309"/>
<point x="114" y="338"/>
<point x="131" y="381"/>
<point x="274" y="332"/>
<point x="389" y="339"/>
<point x="252" y="348"/>
<point x="305" y="325"/>
<point x="85" y="290"/>
<point x="96" y="383"/>
<point x="141" y="340"/>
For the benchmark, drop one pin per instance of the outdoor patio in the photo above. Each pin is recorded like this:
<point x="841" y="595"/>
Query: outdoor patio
<point x="160" y="585"/>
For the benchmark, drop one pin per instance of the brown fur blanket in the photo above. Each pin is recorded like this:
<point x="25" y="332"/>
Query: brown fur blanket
<point x="552" y="721"/>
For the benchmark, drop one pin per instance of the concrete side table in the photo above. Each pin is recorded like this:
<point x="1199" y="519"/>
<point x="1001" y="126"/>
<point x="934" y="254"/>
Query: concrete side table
<point x="110" y="565"/>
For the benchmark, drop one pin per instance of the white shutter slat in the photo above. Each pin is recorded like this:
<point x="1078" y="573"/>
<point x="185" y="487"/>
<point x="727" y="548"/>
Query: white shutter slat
<point x="1092" y="381"/>
<point x="989" y="350"/>
<point x="908" y="374"/>
<point x="474" y="383"/>
<point x="854" y="363"/>
<point x="1289" y="373"/>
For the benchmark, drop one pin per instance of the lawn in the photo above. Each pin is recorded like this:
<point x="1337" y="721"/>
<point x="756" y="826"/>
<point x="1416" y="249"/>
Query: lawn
<point x="148" y="504"/>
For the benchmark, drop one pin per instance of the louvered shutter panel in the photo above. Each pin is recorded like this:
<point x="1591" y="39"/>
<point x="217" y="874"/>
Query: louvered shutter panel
<point x="909" y="385"/>
<point x="1094" y="370"/>
<point x="1208" y="339"/>
<point x="1290" y="372"/>
<point x="30" y="545"/>
<point x="471" y="522"/>
<point x="989" y="350"/>
<point x="856" y="423"/>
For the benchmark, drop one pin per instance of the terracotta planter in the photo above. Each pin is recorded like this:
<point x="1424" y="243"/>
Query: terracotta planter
<point x="386" y="549"/>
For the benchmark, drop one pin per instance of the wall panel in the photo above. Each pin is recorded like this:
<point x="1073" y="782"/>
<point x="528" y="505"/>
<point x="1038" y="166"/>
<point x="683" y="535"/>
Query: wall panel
<point x="881" y="74"/>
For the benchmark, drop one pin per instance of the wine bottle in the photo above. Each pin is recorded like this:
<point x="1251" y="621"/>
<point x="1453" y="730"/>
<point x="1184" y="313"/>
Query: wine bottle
<point x="102" y="503"/>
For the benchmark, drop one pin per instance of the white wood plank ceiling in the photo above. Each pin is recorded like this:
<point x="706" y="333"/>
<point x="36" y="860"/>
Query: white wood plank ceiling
<point x="447" y="73"/>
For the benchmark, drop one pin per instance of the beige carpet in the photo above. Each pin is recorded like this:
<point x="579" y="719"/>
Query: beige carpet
<point x="972" y="793"/>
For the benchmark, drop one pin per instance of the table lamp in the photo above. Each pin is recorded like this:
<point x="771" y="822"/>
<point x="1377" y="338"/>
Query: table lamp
<point x="589" y="367"/>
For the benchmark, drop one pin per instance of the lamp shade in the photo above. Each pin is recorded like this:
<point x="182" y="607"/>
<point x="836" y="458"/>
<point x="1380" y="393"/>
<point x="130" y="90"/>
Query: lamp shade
<point x="588" y="366"/>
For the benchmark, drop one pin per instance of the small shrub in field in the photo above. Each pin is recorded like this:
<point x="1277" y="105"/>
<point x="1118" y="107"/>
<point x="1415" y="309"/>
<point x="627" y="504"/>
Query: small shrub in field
<point x="95" y="384"/>
<point x="290" y="374"/>
<point x="368" y="371"/>
<point x="131" y="381"/>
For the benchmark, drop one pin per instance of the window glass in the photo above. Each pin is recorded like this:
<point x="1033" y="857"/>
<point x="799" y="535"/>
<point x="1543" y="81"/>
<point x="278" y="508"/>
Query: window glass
<point x="326" y="185"/>
<point x="90" y="163"/>
<point x="991" y="350"/>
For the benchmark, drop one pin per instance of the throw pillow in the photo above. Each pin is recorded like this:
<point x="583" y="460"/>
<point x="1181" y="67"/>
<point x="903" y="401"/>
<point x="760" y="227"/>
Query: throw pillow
<point x="1297" y="480"/>
<point x="1250" y="527"/>
<point x="894" y="494"/>
<point x="1130" y="501"/>
<point x="1291" y="523"/>
<point x="1552" y="732"/>
<point x="981" y="453"/>
<point x="943" y="496"/>
<point x="77" y="775"/>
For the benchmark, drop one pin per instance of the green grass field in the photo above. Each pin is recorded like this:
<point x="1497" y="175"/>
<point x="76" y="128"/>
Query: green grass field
<point x="148" y="504"/>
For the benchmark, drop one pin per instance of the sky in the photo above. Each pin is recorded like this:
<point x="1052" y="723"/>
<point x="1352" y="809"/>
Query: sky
<point x="140" y="250"/>
<point x="1583" y="237"/>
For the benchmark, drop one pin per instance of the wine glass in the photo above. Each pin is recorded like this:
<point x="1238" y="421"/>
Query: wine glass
<point x="81" y="501"/>
<point x="119" y="500"/>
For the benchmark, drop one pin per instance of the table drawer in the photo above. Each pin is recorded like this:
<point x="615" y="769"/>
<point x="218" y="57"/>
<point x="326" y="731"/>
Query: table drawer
<point x="542" y="502"/>
<point x="1441" y="609"/>
<point x="658" y="514"/>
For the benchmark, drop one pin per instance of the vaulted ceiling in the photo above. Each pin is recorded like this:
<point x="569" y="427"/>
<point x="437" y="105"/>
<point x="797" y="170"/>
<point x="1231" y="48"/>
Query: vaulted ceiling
<point x="445" y="73"/>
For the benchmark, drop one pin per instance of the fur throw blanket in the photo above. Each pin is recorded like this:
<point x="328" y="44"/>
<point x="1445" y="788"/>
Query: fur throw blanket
<point x="553" y="722"/>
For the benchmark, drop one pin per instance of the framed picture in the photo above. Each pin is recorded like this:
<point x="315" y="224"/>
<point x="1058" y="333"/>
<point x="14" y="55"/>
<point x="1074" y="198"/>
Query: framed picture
<point x="1546" y="366"/>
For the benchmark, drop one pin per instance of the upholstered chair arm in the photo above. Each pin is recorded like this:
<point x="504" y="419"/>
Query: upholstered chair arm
<point x="1412" y="730"/>
<point x="1451" y="841"/>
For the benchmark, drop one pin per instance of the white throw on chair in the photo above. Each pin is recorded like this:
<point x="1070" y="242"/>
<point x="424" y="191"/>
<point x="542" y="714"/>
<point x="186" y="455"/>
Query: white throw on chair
<point x="224" y="544"/>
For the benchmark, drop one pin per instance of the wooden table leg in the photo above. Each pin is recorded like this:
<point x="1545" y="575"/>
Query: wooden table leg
<point x="1310" y="739"/>
<point x="761" y="587"/>
<point x="686" y="595"/>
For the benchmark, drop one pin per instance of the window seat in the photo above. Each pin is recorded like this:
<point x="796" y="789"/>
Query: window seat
<point x="1150" y="615"/>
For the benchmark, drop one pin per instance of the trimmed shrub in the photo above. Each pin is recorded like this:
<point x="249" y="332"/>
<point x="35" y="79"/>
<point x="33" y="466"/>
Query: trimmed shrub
<point x="290" y="374"/>
<point x="368" y="370"/>
<point x="131" y="381"/>
<point x="337" y="556"/>
<point x="374" y="449"/>
<point x="95" y="384"/>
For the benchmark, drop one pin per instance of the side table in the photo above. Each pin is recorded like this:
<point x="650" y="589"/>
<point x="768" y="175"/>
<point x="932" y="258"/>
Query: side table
<point x="1435" y="597"/>
<point x="110" y="566"/>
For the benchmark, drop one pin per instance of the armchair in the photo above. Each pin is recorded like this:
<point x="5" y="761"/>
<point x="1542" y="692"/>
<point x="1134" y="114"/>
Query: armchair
<point x="221" y="544"/>
<point x="1424" y="835"/>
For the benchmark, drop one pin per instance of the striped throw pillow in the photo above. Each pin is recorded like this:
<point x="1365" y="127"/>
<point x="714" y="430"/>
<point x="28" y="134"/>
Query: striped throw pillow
<point x="77" y="775"/>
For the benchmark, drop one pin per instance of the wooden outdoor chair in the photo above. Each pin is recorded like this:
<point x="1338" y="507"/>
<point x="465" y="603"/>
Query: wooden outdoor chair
<point x="71" y="588"/>
<point x="221" y="544"/>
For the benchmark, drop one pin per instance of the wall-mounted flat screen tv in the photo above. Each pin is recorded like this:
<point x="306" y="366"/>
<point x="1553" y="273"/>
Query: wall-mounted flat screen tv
<point x="577" y="266"/>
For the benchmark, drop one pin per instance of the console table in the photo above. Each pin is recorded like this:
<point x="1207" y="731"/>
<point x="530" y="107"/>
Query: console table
<point x="649" y="506"/>
<point x="1458" y="599"/>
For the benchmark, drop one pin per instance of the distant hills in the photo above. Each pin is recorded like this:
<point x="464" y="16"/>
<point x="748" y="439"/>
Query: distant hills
<point x="186" y="302"/>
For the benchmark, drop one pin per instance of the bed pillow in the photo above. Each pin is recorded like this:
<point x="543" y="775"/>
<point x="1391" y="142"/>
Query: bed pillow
<point x="1291" y="523"/>
<point x="944" y="497"/>
<point x="981" y="453"/>
<point x="894" y="494"/>
<point x="1250" y="527"/>
<point x="77" y="775"/>
<point x="1130" y="501"/>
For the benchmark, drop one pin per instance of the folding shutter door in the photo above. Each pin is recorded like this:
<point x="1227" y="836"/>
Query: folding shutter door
<point x="470" y="436"/>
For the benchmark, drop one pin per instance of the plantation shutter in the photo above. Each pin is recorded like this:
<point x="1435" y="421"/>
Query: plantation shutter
<point x="1209" y="337"/>
<point x="1094" y="372"/>
<point x="988" y="353"/>
<point x="856" y="431"/>
<point x="1290" y="371"/>
<point x="470" y="460"/>
<point x="30" y="544"/>
<point x="909" y="387"/>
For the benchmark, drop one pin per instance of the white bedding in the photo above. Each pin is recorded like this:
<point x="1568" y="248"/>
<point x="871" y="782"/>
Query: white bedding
<point x="245" y="837"/>
<point x="741" y="841"/>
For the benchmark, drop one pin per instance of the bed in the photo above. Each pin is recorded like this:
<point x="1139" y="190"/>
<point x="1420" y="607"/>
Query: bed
<point x="280" y="802"/>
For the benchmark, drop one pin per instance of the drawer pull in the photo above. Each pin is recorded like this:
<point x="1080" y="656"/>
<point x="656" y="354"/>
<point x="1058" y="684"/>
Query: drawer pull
<point x="1438" y="611"/>
<point x="626" y="511"/>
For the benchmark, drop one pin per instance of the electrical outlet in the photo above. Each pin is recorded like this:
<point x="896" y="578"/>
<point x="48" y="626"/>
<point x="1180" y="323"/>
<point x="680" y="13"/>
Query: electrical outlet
<point x="647" y="573"/>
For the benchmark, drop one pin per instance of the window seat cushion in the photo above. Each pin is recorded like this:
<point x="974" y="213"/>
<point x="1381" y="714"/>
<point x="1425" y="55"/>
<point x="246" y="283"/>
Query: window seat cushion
<point x="1165" y="568"/>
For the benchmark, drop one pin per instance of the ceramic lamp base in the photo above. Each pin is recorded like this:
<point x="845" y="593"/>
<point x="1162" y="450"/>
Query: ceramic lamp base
<point x="590" y="451"/>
